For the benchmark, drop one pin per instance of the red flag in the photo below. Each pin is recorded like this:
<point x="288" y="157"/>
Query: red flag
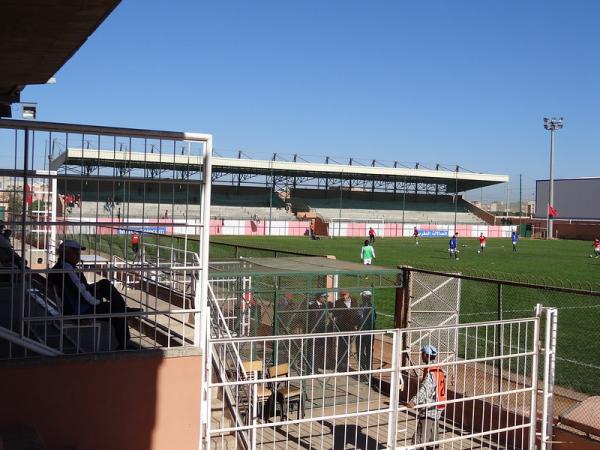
<point x="29" y="195"/>
<point x="551" y="211"/>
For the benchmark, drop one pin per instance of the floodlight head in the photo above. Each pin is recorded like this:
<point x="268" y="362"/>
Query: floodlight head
<point x="553" y="124"/>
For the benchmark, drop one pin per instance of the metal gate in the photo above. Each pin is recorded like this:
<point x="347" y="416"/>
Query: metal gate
<point x="280" y="404"/>
<point x="434" y="302"/>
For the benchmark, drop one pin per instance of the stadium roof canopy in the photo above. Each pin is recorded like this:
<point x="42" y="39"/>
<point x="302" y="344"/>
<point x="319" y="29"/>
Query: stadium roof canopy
<point x="451" y="180"/>
<point x="38" y="37"/>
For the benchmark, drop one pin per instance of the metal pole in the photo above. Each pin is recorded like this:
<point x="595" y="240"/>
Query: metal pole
<point x="520" y="194"/>
<point x="395" y="384"/>
<point x="455" y="196"/>
<point x="507" y="198"/>
<point x="548" y="378"/>
<point x="500" y="347"/>
<point x="271" y="200"/>
<point x="534" y="377"/>
<point x="551" y="187"/>
<point x="23" y="235"/>
<point x="340" y="209"/>
<point x="403" y="203"/>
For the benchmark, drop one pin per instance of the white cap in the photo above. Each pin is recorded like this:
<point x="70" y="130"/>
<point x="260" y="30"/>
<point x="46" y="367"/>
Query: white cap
<point x="366" y="293"/>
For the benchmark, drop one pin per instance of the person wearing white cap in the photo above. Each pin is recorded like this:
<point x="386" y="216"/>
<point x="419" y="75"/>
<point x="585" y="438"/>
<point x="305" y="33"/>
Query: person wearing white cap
<point x="80" y="297"/>
<point x="432" y="389"/>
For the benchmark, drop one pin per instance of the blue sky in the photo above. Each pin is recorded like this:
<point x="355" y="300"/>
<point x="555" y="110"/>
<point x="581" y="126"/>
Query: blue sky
<point x="457" y="82"/>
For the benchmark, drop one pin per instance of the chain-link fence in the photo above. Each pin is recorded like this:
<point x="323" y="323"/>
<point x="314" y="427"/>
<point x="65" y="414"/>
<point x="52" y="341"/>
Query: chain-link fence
<point x="260" y="302"/>
<point x="223" y="250"/>
<point x="430" y="297"/>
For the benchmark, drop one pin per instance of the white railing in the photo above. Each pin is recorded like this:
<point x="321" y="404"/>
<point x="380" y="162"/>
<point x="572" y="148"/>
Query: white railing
<point x="222" y="361"/>
<point x="52" y="167"/>
<point x="333" y="390"/>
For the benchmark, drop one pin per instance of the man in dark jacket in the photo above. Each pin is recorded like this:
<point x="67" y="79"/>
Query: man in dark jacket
<point x="79" y="297"/>
<point x="318" y="318"/>
<point x="347" y="318"/>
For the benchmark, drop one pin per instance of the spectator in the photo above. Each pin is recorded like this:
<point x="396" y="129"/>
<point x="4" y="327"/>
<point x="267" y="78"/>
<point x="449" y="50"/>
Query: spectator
<point x="135" y="243"/>
<point x="9" y="259"/>
<point x="371" y="235"/>
<point x="311" y="230"/>
<point x="283" y="318"/>
<point x="346" y="319"/>
<point x="80" y="298"/>
<point x="432" y="389"/>
<point x="7" y="234"/>
<point x="318" y="318"/>
<point x="367" y="317"/>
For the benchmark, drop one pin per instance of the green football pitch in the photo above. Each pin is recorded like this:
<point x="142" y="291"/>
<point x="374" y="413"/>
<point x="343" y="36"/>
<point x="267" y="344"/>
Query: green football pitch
<point x="564" y="262"/>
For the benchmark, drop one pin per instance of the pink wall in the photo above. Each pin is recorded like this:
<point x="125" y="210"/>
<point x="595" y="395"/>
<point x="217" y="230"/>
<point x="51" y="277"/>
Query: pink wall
<point x="136" y="401"/>
<point x="298" y="228"/>
<point x="216" y="227"/>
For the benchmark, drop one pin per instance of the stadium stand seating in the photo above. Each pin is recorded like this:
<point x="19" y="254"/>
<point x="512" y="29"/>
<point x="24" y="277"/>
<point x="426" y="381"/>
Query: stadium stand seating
<point x="357" y="205"/>
<point x="172" y="201"/>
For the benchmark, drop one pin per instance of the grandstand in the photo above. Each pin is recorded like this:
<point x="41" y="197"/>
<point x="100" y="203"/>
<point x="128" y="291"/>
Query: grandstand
<point x="274" y="190"/>
<point x="360" y="206"/>
<point x="143" y="200"/>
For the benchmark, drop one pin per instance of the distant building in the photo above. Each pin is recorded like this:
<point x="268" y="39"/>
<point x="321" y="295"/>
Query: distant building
<point x="574" y="198"/>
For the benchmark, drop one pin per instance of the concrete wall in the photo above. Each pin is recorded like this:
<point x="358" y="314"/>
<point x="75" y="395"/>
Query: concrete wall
<point x="116" y="401"/>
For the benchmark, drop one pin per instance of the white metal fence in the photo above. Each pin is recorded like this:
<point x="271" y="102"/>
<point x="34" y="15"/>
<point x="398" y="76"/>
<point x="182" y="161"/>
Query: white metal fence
<point x="147" y="298"/>
<point x="352" y="389"/>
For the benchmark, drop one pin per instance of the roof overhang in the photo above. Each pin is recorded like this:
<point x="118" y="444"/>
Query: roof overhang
<point x="461" y="181"/>
<point x="39" y="36"/>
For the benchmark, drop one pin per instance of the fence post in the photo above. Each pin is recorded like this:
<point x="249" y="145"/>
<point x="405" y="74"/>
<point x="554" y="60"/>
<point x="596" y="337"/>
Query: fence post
<point x="395" y="383"/>
<point x="534" y="376"/>
<point x="549" y="367"/>
<point x="402" y="308"/>
<point x="254" y="419"/>
<point x="500" y="344"/>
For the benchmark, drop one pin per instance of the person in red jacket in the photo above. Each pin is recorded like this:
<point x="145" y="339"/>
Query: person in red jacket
<point x="135" y="243"/>
<point x="481" y="243"/>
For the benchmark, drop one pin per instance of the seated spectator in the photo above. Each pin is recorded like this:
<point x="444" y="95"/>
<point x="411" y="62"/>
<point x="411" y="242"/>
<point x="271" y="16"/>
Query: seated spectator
<point x="9" y="259"/>
<point x="79" y="297"/>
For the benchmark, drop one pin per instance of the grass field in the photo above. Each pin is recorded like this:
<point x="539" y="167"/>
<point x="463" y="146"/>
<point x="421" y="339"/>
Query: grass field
<point x="559" y="263"/>
<point x="564" y="262"/>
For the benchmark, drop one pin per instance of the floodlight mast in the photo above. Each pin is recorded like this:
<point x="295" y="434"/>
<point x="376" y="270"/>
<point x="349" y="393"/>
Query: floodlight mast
<point x="551" y="125"/>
